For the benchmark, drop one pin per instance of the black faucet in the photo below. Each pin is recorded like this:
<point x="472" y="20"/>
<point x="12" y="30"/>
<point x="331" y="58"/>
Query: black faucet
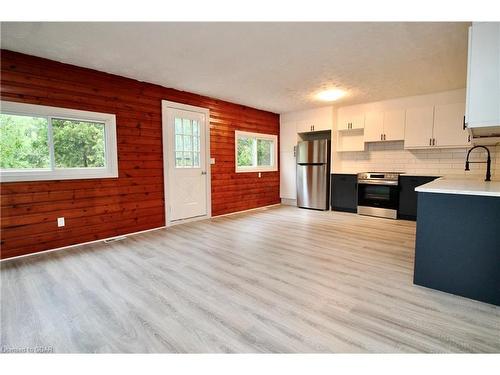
<point x="488" y="162"/>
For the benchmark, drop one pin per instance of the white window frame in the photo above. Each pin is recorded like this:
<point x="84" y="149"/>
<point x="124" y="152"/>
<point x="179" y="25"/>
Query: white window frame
<point x="256" y="168"/>
<point x="110" y="147"/>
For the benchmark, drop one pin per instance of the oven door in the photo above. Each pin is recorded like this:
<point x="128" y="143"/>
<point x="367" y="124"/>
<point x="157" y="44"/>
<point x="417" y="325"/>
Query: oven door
<point x="378" y="196"/>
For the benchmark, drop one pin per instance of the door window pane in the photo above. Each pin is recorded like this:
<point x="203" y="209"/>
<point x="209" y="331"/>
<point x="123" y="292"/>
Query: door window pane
<point x="187" y="126"/>
<point x="196" y="128"/>
<point x="179" y="159"/>
<point x="196" y="159"/>
<point x="78" y="144"/>
<point x="196" y="144"/>
<point x="178" y="125"/>
<point x="188" y="159"/>
<point x="24" y="142"/>
<point x="187" y="143"/>
<point x="178" y="143"/>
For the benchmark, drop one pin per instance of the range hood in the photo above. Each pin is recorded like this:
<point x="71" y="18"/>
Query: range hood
<point x="483" y="83"/>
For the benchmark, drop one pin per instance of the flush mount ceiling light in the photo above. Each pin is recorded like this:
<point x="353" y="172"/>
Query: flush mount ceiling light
<point x="330" y="95"/>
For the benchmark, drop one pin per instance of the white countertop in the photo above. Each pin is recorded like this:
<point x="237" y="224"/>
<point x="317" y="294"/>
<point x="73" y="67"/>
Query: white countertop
<point x="461" y="186"/>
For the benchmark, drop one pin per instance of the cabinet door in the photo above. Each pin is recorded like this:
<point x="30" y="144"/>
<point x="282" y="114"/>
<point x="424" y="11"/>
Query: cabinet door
<point x="350" y="118"/>
<point x="343" y="122"/>
<point x="358" y="121"/>
<point x="448" y="125"/>
<point x="304" y="126"/>
<point x="408" y="196"/>
<point x="344" y="192"/>
<point x="483" y="75"/>
<point x="288" y="136"/>
<point x="323" y="119"/>
<point x="288" y="187"/>
<point x="394" y="125"/>
<point x="374" y="126"/>
<point x="418" y="127"/>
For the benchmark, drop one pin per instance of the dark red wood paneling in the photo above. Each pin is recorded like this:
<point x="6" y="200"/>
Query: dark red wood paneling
<point x="96" y="209"/>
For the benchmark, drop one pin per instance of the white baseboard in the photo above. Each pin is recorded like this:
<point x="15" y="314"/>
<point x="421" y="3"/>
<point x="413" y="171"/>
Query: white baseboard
<point x="250" y="209"/>
<point x="108" y="239"/>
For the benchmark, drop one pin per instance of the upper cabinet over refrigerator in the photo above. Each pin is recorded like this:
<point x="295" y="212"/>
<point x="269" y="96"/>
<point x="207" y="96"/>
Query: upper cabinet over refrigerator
<point x="483" y="82"/>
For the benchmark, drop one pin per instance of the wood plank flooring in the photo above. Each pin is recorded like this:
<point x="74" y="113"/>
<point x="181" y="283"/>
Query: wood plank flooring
<point x="276" y="280"/>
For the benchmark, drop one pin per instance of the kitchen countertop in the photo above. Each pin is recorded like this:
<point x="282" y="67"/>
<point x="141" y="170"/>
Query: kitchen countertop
<point x="461" y="186"/>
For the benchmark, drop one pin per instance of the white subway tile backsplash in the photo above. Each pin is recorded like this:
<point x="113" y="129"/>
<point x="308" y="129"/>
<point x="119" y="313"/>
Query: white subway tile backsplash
<point x="391" y="156"/>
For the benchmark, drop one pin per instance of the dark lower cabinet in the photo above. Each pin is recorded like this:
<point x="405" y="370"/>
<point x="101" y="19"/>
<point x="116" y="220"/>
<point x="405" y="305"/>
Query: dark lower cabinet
<point x="408" y="196"/>
<point x="457" y="246"/>
<point x="344" y="192"/>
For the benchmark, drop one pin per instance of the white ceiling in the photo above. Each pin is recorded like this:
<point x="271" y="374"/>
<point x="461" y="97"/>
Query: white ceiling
<point x="273" y="66"/>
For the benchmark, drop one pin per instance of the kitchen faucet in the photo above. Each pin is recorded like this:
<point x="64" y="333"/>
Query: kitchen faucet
<point x="488" y="162"/>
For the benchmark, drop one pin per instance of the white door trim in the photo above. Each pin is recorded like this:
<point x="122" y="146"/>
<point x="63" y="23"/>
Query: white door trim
<point x="165" y="106"/>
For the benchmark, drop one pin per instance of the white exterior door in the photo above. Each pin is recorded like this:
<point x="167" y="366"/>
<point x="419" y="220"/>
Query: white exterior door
<point x="185" y="159"/>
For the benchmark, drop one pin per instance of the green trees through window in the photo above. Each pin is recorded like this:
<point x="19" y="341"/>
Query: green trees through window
<point x="255" y="151"/>
<point x="78" y="144"/>
<point x="24" y="142"/>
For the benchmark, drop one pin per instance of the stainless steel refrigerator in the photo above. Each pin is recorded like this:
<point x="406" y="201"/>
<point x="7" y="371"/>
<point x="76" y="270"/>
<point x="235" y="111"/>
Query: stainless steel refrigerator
<point x="313" y="174"/>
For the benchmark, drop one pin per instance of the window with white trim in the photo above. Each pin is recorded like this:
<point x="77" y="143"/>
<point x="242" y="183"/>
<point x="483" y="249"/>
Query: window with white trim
<point x="256" y="152"/>
<point x="50" y="143"/>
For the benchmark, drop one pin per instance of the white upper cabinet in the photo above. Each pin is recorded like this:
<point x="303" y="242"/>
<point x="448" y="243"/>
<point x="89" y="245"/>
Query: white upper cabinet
<point x="394" y="125"/>
<point x="418" y="127"/>
<point x="385" y="126"/>
<point x="483" y="78"/>
<point x="288" y="135"/>
<point x="374" y="126"/>
<point x="304" y="126"/>
<point x="441" y="125"/>
<point x="319" y="119"/>
<point x="350" y="119"/>
<point x="449" y="128"/>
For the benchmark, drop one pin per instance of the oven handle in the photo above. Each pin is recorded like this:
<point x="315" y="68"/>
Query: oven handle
<point x="371" y="182"/>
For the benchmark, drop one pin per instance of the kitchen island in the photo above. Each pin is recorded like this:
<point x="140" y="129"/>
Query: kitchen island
<point x="458" y="238"/>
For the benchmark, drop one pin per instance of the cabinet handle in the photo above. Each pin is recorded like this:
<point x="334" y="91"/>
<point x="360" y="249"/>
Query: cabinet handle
<point x="433" y="141"/>
<point x="384" y="136"/>
<point x="468" y="138"/>
<point x="465" y="125"/>
<point x="430" y="141"/>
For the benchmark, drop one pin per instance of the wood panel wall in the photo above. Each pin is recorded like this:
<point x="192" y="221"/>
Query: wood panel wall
<point x="96" y="209"/>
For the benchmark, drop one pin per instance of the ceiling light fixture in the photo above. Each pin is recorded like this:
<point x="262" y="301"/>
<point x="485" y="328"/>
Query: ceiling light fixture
<point x="330" y="95"/>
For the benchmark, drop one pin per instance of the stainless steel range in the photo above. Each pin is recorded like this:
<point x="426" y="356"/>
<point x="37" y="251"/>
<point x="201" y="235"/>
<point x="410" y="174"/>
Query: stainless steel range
<point x="378" y="194"/>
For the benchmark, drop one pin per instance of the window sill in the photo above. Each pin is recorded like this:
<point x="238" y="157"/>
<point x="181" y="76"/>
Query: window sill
<point x="73" y="174"/>
<point x="257" y="170"/>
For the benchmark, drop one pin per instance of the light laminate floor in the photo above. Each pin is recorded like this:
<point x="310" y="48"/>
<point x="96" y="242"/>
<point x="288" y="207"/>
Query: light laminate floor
<point x="280" y="279"/>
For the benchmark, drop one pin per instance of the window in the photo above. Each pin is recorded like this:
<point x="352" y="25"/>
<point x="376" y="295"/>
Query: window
<point x="49" y="143"/>
<point x="256" y="152"/>
<point x="187" y="143"/>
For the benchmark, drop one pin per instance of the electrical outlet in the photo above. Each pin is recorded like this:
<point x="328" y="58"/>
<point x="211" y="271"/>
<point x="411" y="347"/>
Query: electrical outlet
<point x="60" y="222"/>
<point x="260" y="175"/>
<point x="212" y="160"/>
